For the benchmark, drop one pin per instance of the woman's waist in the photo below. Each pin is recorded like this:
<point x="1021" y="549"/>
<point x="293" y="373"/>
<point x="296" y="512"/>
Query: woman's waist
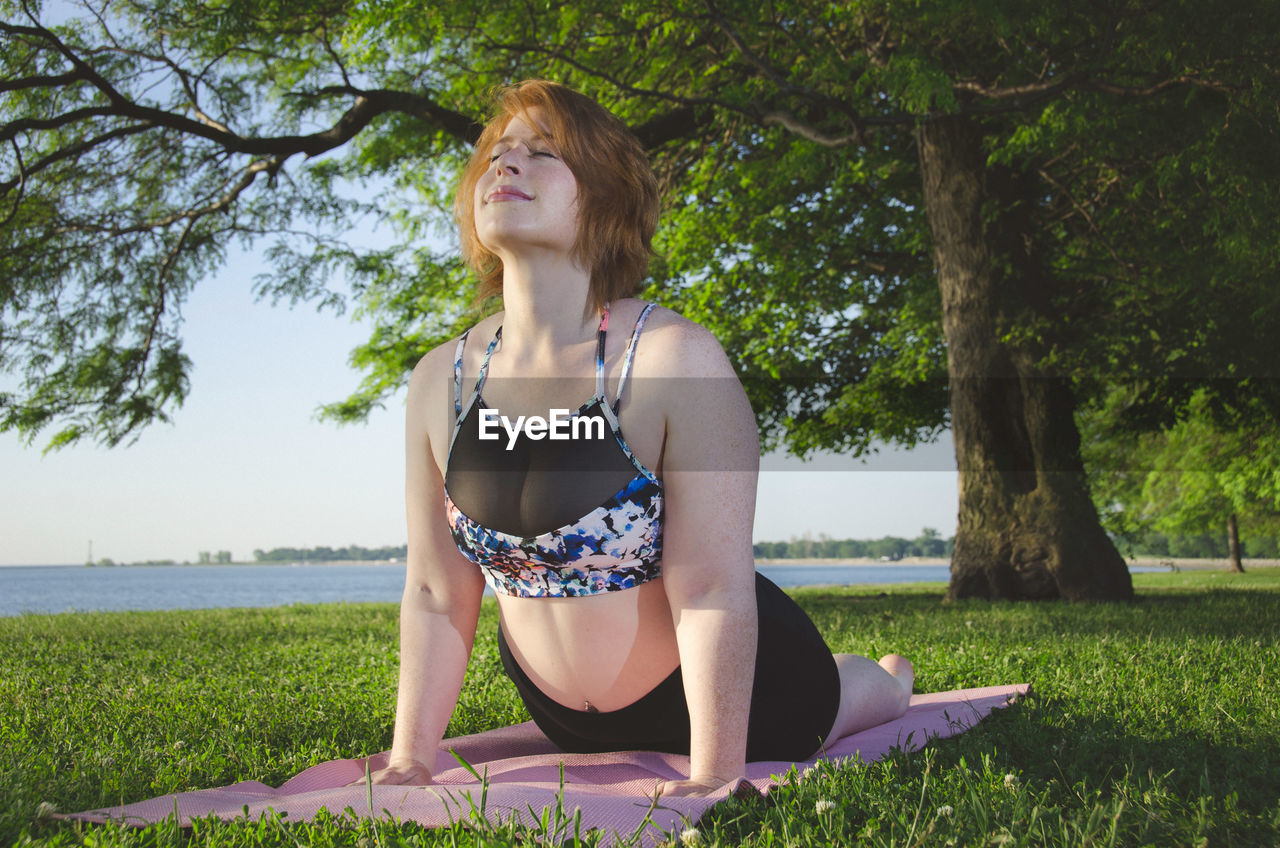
<point x="605" y="650"/>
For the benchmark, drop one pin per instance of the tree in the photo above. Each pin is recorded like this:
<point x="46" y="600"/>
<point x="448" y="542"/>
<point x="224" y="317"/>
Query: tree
<point x="1207" y="473"/>
<point x="896" y="219"/>
<point x="1079" y="128"/>
<point x="930" y="544"/>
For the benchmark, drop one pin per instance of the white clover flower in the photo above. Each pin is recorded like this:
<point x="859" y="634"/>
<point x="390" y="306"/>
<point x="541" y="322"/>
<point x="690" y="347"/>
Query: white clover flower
<point x="1010" y="781"/>
<point x="809" y="770"/>
<point x="824" y="806"/>
<point x="945" y="810"/>
<point x="690" y="836"/>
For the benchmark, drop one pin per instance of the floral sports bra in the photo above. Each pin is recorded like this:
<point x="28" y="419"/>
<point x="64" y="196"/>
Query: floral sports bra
<point x="525" y="484"/>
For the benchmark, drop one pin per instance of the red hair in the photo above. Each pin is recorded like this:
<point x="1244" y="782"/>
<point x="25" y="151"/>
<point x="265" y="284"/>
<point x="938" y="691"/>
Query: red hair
<point x="617" y="191"/>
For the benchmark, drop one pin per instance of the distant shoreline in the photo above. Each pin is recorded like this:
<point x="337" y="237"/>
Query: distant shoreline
<point x="207" y="564"/>
<point x="1201" y="563"/>
<point x="1172" y="563"/>
<point x="837" y="561"/>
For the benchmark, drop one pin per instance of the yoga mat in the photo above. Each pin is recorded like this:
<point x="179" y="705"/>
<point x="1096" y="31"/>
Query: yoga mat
<point x="523" y="769"/>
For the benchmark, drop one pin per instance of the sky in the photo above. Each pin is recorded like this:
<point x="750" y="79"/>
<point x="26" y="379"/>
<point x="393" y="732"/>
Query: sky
<point x="245" y="465"/>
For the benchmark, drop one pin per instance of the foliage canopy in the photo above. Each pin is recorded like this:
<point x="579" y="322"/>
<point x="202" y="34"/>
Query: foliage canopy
<point x="143" y="140"/>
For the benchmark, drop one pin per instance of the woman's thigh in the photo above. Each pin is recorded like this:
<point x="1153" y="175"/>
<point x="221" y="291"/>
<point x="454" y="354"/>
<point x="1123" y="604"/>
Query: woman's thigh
<point x="797" y="685"/>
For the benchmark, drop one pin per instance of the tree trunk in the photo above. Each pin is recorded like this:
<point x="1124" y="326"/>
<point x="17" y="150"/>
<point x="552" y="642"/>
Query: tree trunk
<point x="1233" y="545"/>
<point x="1027" y="527"/>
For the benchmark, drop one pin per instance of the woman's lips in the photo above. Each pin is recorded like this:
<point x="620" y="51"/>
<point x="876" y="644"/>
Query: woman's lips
<point x="505" y="193"/>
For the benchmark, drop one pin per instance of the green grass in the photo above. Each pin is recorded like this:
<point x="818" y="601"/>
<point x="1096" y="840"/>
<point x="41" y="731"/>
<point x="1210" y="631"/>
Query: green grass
<point x="1152" y="723"/>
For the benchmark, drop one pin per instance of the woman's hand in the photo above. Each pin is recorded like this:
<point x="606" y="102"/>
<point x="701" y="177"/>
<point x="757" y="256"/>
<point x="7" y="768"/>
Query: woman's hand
<point x="399" y="774"/>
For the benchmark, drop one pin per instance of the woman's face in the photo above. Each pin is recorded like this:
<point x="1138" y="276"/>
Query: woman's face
<point x="527" y="200"/>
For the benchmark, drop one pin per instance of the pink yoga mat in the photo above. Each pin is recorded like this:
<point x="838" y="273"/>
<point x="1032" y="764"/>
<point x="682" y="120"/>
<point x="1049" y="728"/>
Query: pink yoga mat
<point x="522" y="768"/>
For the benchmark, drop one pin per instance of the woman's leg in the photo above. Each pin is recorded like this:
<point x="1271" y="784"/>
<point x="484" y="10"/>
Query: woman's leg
<point x="870" y="693"/>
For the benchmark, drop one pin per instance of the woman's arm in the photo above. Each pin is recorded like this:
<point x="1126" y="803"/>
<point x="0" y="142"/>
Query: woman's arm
<point x="442" y="593"/>
<point x="710" y="462"/>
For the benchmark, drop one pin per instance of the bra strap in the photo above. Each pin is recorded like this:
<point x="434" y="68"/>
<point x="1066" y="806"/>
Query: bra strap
<point x="484" y="364"/>
<point x="600" y="336"/>
<point x="457" y="376"/>
<point x="457" y="384"/>
<point x="631" y="349"/>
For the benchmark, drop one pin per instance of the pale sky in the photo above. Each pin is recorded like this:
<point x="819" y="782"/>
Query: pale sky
<point x="244" y="465"/>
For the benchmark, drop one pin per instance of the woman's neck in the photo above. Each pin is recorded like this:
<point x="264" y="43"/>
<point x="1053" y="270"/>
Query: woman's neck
<point x="545" y="306"/>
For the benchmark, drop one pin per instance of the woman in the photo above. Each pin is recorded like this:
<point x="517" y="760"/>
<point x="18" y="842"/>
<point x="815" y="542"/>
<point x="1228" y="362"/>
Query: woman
<point x="634" y="623"/>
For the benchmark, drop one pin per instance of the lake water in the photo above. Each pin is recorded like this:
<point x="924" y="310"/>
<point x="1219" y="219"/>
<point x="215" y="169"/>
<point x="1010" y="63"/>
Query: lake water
<point x="62" y="588"/>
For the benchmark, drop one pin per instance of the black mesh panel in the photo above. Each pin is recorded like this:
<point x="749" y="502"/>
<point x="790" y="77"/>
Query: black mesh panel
<point x="539" y="485"/>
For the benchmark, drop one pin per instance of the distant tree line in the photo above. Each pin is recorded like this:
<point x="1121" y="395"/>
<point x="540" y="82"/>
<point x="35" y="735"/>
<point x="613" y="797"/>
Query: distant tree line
<point x="325" y="554"/>
<point x="107" y="562"/>
<point x="1200" y="545"/>
<point x="928" y="544"/>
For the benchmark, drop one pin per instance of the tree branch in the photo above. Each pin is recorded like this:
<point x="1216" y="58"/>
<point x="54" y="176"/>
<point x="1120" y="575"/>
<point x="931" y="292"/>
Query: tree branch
<point x="750" y="55"/>
<point x="625" y="88"/>
<point x="794" y="125"/>
<point x="1084" y="213"/>
<point x="69" y="152"/>
<point x="11" y="129"/>
<point x="1148" y="91"/>
<point x="1042" y="89"/>
<point x="367" y="106"/>
<point x="38" y="81"/>
<point x="158" y="312"/>
<point x="184" y="77"/>
<point x="17" y="183"/>
<point x="462" y="127"/>
<point x="270" y="165"/>
<point x="788" y="119"/>
<point x="337" y="60"/>
<point x="1003" y="93"/>
<point x="678" y="123"/>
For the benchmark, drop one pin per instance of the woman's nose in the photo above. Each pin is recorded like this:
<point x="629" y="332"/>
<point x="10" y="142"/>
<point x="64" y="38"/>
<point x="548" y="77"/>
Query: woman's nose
<point x="507" y="166"/>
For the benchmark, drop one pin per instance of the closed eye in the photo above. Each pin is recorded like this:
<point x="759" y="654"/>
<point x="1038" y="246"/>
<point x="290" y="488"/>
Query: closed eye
<point x="493" y="157"/>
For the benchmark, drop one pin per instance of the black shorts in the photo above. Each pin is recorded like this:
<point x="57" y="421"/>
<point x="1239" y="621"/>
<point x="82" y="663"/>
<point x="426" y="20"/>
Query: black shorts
<point x="793" y="701"/>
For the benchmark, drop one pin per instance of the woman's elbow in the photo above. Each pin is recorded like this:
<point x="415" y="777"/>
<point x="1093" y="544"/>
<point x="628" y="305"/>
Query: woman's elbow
<point x="710" y="589"/>
<point x="436" y="595"/>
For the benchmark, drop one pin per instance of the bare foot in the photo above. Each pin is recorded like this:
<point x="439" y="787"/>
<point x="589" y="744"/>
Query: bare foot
<point x="900" y="667"/>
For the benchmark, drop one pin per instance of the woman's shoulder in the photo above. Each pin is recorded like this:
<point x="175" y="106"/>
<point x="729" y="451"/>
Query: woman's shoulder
<point x="673" y="345"/>
<point x="439" y="361"/>
<point x="434" y="372"/>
